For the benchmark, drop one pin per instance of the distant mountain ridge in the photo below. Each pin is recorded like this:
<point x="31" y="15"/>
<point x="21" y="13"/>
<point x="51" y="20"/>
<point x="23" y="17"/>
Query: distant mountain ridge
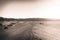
<point x="22" y="19"/>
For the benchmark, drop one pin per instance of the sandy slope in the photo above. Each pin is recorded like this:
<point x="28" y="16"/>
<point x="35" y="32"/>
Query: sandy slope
<point x="48" y="30"/>
<point x="44" y="29"/>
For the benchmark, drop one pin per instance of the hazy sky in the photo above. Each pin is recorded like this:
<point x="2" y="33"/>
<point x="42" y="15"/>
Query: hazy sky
<point x="31" y="9"/>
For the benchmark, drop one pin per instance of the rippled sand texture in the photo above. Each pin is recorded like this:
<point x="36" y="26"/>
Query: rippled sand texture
<point x="20" y="30"/>
<point x="47" y="30"/>
<point x="33" y="29"/>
